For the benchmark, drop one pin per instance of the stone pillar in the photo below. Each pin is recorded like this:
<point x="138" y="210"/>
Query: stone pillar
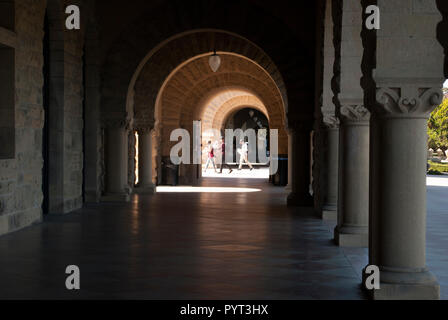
<point x="288" y="187"/>
<point x="116" y="162"/>
<point x="331" y="132"/>
<point x="402" y="76"/>
<point x="353" y="190"/>
<point x="145" y="185"/>
<point x="398" y="195"/>
<point x="300" y="139"/>
<point x="353" y="184"/>
<point x="330" y="126"/>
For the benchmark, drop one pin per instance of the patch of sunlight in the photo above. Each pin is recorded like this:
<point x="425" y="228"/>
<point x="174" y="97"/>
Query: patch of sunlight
<point x="190" y="189"/>
<point x="437" y="181"/>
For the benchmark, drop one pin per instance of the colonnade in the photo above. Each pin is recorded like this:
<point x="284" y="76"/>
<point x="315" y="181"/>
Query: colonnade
<point x="384" y="85"/>
<point x="378" y="91"/>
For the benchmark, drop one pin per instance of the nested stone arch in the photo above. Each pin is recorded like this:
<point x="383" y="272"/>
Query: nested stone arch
<point x="231" y="106"/>
<point x="145" y="94"/>
<point x="161" y="64"/>
<point x="260" y="89"/>
<point x="232" y="112"/>
<point x="216" y="104"/>
<point x="175" y="115"/>
<point x="150" y="32"/>
<point x="184" y="101"/>
<point x="196" y="81"/>
<point x="226" y="102"/>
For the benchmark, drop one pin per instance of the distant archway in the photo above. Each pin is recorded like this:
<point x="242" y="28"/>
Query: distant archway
<point x="195" y="93"/>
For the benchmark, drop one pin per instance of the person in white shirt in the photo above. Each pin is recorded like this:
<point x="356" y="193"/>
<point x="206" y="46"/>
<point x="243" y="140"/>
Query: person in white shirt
<point x="244" y="155"/>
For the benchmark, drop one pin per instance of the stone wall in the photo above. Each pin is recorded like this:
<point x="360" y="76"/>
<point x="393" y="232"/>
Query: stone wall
<point x="21" y="180"/>
<point x="21" y="177"/>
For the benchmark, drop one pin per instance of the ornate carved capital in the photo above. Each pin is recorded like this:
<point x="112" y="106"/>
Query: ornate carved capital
<point x="407" y="101"/>
<point x="117" y="123"/>
<point x="143" y="125"/>
<point x="118" y="120"/>
<point x="143" y="129"/>
<point x="354" y="113"/>
<point x="330" y="121"/>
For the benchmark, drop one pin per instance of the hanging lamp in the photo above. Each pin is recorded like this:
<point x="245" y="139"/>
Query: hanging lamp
<point x="214" y="61"/>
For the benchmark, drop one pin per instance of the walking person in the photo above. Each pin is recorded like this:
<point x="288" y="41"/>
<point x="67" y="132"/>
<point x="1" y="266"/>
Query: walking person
<point x="210" y="156"/>
<point x="244" y="155"/>
<point x="223" y="157"/>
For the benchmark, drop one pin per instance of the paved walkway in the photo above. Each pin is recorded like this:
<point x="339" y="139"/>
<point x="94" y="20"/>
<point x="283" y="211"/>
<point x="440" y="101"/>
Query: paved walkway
<point x="437" y="230"/>
<point x="239" y="243"/>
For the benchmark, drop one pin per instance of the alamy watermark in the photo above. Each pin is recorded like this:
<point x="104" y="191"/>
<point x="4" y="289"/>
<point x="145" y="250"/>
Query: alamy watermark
<point x="73" y="281"/>
<point x="73" y="21"/>
<point x="256" y="145"/>
<point x="373" y="20"/>
<point x="372" y="277"/>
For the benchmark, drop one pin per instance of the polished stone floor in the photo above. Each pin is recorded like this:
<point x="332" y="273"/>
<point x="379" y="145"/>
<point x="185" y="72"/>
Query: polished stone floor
<point x="236" y="242"/>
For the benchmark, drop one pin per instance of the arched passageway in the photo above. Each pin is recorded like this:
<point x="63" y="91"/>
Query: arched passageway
<point x="191" y="91"/>
<point x="349" y="102"/>
<point x="194" y="92"/>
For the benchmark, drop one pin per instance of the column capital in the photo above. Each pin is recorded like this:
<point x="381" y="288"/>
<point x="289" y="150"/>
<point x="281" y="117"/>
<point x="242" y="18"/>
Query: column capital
<point x="144" y="129"/>
<point x="407" y="101"/>
<point x="117" y="123"/>
<point x="354" y="113"/>
<point x="330" y="121"/>
<point x="143" y="125"/>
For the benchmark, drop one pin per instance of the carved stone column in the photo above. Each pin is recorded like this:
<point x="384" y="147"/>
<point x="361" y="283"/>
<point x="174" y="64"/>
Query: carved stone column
<point x="145" y="185"/>
<point x="353" y="191"/>
<point x="116" y="161"/>
<point x="403" y="72"/>
<point x="398" y="190"/>
<point x="300" y="133"/>
<point x="331" y="131"/>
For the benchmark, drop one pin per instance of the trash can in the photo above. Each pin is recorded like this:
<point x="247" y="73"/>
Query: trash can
<point x="170" y="173"/>
<point x="280" y="178"/>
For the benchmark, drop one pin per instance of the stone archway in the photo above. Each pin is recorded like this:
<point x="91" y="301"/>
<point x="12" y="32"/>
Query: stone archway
<point x="194" y="92"/>
<point x="230" y="106"/>
<point x="138" y="51"/>
<point x="144" y="38"/>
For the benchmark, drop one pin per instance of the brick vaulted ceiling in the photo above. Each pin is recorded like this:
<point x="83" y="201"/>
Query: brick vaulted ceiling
<point x="195" y="92"/>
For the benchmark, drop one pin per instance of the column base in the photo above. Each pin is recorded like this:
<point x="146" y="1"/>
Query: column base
<point x="288" y="189"/>
<point x="406" y="286"/>
<point x="145" y="189"/>
<point x="329" y="212"/>
<point x="115" y="197"/>
<point x="351" y="237"/>
<point x="297" y="200"/>
<point x="390" y="291"/>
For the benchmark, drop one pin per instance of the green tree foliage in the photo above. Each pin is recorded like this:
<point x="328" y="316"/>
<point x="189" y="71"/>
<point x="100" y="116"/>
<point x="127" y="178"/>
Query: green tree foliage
<point x="438" y="127"/>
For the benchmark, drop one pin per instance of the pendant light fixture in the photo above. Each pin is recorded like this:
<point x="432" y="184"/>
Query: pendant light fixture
<point x="214" y="61"/>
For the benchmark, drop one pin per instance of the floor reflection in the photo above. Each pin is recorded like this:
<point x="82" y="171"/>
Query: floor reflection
<point x="189" y="189"/>
<point x="242" y="243"/>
